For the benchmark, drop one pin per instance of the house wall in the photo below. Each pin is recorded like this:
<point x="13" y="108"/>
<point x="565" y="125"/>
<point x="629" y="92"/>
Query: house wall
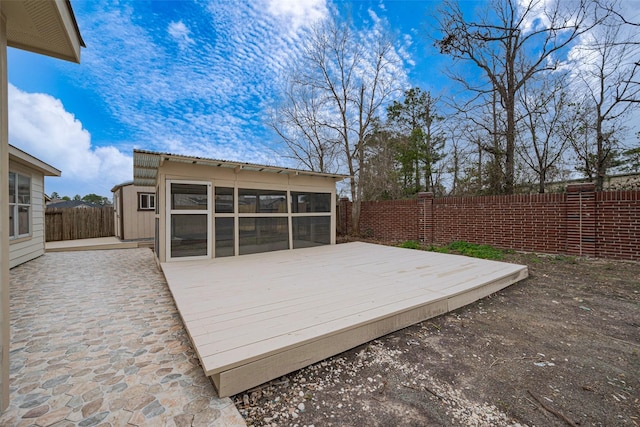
<point x="579" y="222"/>
<point x="237" y="178"/>
<point x="4" y="218"/>
<point x="117" y="213"/>
<point x="135" y="224"/>
<point x="27" y="248"/>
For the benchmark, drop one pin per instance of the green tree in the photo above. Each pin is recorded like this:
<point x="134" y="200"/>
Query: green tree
<point x="415" y="123"/>
<point x="55" y="195"/>
<point x="631" y="160"/>
<point x="94" y="198"/>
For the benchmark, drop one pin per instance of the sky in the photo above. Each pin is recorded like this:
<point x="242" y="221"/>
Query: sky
<point x="185" y="77"/>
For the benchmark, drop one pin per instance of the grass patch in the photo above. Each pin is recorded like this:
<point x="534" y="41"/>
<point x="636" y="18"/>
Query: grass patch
<point x="411" y="244"/>
<point x="460" y="247"/>
<point x="476" y="251"/>
<point x="441" y="249"/>
<point x="469" y="249"/>
<point x="569" y="259"/>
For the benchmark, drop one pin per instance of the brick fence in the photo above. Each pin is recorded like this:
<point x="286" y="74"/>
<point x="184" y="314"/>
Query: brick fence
<point x="579" y="222"/>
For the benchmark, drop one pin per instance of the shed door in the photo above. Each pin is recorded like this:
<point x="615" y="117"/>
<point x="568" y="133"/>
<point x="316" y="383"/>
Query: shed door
<point x="188" y="220"/>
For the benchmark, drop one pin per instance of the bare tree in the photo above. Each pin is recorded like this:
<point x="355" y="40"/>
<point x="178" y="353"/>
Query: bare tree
<point x="301" y="123"/>
<point x="459" y="155"/>
<point x="350" y="75"/>
<point x="545" y="114"/>
<point x="510" y="45"/>
<point x="607" y="64"/>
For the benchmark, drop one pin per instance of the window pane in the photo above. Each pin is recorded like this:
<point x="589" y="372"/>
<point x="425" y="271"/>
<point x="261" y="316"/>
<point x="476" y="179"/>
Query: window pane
<point x="23" y="220"/>
<point x="188" y="235"/>
<point x="224" y="237"/>
<point x="224" y="200"/>
<point x="311" y="231"/>
<point x="156" y="237"/>
<point x="310" y="202"/>
<point x="147" y="201"/>
<point x="12" y="187"/>
<point x="24" y="189"/>
<point x="12" y="223"/>
<point x="262" y="201"/>
<point x="189" y="196"/>
<point x="263" y="235"/>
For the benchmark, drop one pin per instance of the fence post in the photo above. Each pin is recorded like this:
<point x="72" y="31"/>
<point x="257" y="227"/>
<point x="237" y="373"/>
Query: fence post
<point x="581" y="219"/>
<point x="343" y="216"/>
<point x="425" y="217"/>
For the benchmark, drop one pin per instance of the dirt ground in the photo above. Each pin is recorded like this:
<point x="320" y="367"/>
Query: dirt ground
<point x="559" y="348"/>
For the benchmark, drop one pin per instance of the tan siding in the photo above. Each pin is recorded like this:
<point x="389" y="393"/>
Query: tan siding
<point x="26" y="249"/>
<point x="136" y="224"/>
<point x="229" y="177"/>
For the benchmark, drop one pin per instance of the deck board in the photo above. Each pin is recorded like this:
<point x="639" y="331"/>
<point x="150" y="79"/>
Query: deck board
<point x="255" y="317"/>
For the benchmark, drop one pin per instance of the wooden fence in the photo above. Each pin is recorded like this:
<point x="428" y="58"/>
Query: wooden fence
<point x="78" y="223"/>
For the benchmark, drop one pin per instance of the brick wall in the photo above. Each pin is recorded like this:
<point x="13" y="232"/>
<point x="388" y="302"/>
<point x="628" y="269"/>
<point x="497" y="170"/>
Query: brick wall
<point x="578" y="222"/>
<point x="618" y="224"/>
<point x="389" y="220"/>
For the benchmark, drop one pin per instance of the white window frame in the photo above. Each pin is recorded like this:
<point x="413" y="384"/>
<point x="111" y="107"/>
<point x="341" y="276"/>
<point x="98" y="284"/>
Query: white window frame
<point x="151" y="201"/>
<point x="169" y="212"/>
<point x="16" y="205"/>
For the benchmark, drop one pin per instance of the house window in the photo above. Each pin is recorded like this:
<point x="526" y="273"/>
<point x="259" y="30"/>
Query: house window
<point x="19" y="205"/>
<point x="189" y="227"/>
<point x="310" y="202"/>
<point x="146" y="201"/>
<point x="311" y="222"/>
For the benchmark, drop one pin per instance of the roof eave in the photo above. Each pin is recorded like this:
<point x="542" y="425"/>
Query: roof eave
<point x="25" y="28"/>
<point x="155" y="159"/>
<point x="26" y="159"/>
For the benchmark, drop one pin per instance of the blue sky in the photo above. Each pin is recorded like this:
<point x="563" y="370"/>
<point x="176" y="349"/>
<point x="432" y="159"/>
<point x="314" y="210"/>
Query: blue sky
<point x="186" y="77"/>
<point x="177" y="76"/>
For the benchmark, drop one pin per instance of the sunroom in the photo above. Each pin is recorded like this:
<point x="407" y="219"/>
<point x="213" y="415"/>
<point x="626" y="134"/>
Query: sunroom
<point x="207" y="208"/>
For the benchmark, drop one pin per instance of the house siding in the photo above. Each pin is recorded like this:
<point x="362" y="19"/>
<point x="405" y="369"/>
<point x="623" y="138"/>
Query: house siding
<point x="228" y="177"/>
<point x="27" y="248"/>
<point x="135" y="224"/>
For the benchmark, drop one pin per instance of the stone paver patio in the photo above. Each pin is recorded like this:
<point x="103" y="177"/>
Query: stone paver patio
<point x="96" y="340"/>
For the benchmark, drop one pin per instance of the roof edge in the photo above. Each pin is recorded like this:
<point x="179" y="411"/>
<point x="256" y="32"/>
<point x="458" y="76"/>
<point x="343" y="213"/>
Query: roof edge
<point x="27" y="159"/>
<point x="235" y="164"/>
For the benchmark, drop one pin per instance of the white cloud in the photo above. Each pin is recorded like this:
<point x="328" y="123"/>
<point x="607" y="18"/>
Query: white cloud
<point x="40" y="125"/>
<point x="208" y="99"/>
<point x="299" y="13"/>
<point x="180" y="34"/>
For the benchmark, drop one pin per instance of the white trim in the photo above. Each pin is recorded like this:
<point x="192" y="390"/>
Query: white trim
<point x="169" y="212"/>
<point x="15" y="207"/>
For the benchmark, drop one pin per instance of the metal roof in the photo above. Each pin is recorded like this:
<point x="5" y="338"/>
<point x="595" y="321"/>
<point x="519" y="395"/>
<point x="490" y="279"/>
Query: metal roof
<point x="146" y="164"/>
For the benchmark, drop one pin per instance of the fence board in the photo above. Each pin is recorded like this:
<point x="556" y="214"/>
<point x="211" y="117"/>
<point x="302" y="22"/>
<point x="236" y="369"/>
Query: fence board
<point x="78" y="223"/>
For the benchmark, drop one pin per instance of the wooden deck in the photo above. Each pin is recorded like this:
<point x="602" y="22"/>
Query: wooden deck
<point x="98" y="243"/>
<point x="256" y="317"/>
